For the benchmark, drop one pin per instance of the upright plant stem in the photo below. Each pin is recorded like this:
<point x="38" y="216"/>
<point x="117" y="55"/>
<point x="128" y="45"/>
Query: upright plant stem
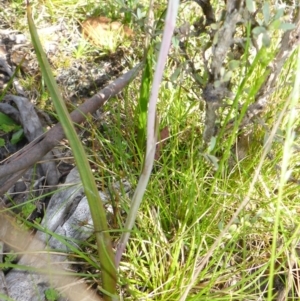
<point x="152" y="128"/>
<point x="106" y="255"/>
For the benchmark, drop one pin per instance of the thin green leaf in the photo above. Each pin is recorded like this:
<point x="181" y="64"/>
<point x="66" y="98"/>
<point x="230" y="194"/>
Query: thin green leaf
<point x="250" y="4"/>
<point x="258" y="30"/>
<point x="106" y="256"/>
<point x="279" y="13"/>
<point x="142" y="106"/>
<point x="234" y="64"/>
<point x="266" y="40"/>
<point x="286" y="26"/>
<point x="17" y="136"/>
<point x="266" y="12"/>
<point x="4" y="119"/>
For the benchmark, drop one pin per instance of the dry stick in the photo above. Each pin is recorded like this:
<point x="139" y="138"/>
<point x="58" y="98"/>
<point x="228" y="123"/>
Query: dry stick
<point x="10" y="181"/>
<point x="35" y="150"/>
<point x="207" y="11"/>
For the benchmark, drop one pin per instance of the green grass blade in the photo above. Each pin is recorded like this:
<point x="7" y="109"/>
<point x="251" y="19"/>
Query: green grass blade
<point x="142" y="106"/>
<point x="105" y="251"/>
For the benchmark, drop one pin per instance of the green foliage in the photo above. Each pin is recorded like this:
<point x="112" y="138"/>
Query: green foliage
<point x="51" y="294"/>
<point x="5" y="297"/>
<point x="8" y="125"/>
<point x="9" y="258"/>
<point x="142" y="105"/>
<point x="271" y="22"/>
<point x="27" y="209"/>
<point x="132" y="9"/>
<point x="188" y="204"/>
<point x="17" y="136"/>
<point x="251" y="6"/>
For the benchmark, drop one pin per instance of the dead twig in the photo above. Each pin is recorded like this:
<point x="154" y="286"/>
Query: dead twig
<point x="207" y="11"/>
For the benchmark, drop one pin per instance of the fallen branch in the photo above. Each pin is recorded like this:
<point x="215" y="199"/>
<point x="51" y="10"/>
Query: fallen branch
<point x="38" y="148"/>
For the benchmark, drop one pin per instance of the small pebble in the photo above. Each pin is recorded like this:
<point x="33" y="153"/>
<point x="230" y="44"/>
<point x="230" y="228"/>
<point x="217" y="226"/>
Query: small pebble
<point x="20" y="186"/>
<point x="20" y="39"/>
